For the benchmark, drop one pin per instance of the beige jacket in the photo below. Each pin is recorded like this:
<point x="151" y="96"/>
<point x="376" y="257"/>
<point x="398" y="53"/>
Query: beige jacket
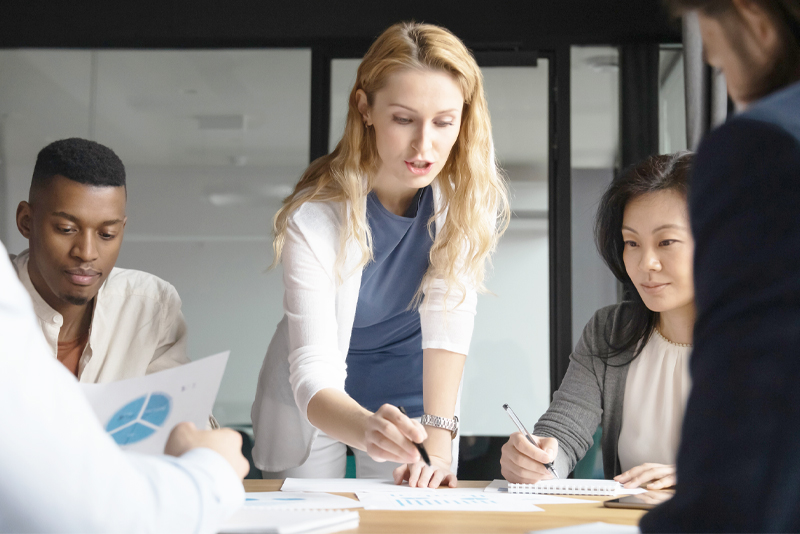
<point x="137" y="327"/>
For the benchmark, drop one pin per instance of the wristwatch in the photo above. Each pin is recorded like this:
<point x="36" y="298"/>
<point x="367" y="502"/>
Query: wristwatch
<point x="441" y="422"/>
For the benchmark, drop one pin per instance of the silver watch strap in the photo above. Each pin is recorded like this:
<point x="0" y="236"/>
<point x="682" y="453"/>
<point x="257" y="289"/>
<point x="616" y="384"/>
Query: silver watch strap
<point x="441" y="422"/>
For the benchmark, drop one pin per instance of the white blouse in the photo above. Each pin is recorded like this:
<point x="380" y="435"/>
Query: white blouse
<point x="656" y="391"/>
<point x="309" y="348"/>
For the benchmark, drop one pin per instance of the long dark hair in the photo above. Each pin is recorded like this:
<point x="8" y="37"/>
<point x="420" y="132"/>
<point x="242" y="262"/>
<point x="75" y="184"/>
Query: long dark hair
<point x="785" y="14"/>
<point x="668" y="172"/>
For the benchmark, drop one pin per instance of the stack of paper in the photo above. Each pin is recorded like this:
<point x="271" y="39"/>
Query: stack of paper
<point x="446" y="499"/>
<point x="386" y="495"/>
<point x="342" y="485"/>
<point x="281" y="500"/>
<point x="264" y="520"/>
<point x="591" y="528"/>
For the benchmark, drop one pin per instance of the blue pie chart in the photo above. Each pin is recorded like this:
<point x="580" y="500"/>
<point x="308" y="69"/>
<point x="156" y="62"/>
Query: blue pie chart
<point x="139" y="419"/>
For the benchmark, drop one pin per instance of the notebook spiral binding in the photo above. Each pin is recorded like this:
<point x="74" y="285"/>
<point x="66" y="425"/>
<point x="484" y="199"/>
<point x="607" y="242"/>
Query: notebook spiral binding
<point x="567" y="487"/>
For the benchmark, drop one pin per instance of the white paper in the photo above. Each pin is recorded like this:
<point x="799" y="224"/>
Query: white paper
<point x="139" y="413"/>
<point x="497" y="486"/>
<point x="344" y="485"/>
<point x="501" y="486"/>
<point x="591" y="528"/>
<point x="281" y="500"/>
<point x="263" y="520"/>
<point x="453" y="500"/>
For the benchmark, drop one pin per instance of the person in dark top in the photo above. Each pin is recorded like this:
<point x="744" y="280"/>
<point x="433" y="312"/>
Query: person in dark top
<point x="738" y="465"/>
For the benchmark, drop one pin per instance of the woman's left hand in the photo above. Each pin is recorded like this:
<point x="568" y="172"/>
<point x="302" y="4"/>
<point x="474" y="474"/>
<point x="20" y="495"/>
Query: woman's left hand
<point x="419" y="475"/>
<point x="652" y="476"/>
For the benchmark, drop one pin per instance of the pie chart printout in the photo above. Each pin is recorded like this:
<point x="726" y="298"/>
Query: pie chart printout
<point x="139" y="419"/>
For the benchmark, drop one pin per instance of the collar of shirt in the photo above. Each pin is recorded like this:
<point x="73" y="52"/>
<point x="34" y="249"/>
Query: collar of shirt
<point x="50" y="320"/>
<point x="137" y="325"/>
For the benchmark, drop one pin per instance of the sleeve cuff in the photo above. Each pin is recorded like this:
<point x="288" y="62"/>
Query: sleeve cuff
<point x="227" y="488"/>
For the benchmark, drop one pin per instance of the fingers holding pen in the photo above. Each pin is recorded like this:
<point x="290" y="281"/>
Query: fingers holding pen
<point x="523" y="462"/>
<point x="544" y="451"/>
<point x="390" y="436"/>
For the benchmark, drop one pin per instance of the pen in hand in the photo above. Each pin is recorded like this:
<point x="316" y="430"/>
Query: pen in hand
<point x="420" y="447"/>
<point x="522" y="429"/>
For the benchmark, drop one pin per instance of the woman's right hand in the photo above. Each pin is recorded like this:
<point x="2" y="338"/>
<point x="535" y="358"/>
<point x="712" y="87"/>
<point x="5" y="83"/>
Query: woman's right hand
<point x="523" y="463"/>
<point x="390" y="436"/>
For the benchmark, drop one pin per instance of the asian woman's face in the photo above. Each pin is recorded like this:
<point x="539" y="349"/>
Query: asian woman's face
<point x="417" y="118"/>
<point x="659" y="249"/>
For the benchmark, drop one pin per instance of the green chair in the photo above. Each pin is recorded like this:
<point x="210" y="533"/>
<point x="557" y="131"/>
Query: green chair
<point x="591" y="465"/>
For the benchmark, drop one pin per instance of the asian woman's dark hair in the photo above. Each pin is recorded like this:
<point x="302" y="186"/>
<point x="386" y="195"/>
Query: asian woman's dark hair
<point x="668" y="172"/>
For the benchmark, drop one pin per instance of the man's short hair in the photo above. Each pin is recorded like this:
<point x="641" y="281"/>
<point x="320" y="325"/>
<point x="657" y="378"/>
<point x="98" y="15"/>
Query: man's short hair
<point x="81" y="161"/>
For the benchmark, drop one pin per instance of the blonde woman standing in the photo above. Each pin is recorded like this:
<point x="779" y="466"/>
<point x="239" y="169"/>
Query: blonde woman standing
<point x="383" y="244"/>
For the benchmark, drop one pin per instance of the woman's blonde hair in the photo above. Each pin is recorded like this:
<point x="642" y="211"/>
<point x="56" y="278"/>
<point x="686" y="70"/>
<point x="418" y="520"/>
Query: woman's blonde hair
<point x="472" y="187"/>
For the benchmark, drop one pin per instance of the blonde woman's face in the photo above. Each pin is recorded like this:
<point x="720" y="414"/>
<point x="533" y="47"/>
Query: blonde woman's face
<point x="659" y="250"/>
<point x="416" y="117"/>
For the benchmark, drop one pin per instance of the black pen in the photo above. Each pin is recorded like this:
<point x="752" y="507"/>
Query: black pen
<point x="524" y="430"/>
<point x="420" y="446"/>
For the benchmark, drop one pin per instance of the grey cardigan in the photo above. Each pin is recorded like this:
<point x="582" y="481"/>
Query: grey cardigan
<point x="590" y="394"/>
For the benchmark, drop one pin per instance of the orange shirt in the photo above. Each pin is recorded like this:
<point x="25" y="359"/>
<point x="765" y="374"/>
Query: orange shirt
<point x="69" y="352"/>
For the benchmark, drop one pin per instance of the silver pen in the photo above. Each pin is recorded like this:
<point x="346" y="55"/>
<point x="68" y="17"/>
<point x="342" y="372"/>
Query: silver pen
<point x="522" y="429"/>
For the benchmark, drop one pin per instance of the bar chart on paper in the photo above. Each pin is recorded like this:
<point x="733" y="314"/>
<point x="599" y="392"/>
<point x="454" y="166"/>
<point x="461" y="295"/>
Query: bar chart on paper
<point x="451" y="500"/>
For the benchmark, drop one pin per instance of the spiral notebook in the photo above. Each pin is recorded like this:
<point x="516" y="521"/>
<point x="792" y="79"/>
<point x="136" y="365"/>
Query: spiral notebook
<point x="568" y="486"/>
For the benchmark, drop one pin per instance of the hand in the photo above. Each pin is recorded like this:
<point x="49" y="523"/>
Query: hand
<point x="224" y="441"/>
<point x="523" y="463"/>
<point x="419" y="475"/>
<point x="655" y="476"/>
<point x="390" y="436"/>
<point x="655" y="496"/>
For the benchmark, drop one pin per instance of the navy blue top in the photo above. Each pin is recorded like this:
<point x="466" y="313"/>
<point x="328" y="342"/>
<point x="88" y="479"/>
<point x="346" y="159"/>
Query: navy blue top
<point x="384" y="363"/>
<point x="738" y="467"/>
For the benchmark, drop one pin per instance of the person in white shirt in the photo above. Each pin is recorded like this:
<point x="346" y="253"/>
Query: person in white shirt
<point x="61" y="472"/>
<point x="102" y="322"/>
<point x="383" y="245"/>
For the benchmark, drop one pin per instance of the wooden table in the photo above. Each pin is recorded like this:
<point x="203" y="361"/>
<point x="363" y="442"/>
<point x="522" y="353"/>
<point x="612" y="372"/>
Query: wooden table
<point x="554" y="515"/>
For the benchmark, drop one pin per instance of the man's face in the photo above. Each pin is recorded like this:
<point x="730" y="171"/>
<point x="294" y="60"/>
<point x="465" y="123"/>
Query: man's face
<point x="75" y="233"/>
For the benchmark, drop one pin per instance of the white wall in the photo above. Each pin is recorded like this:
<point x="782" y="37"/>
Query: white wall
<point x="509" y="359"/>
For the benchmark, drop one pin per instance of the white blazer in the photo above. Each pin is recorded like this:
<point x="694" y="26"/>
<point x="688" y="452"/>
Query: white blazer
<point x="309" y="348"/>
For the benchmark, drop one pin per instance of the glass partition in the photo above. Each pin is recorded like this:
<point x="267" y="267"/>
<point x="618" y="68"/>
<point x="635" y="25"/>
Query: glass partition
<point x="595" y="149"/>
<point x="212" y="141"/>
<point x="671" y="100"/>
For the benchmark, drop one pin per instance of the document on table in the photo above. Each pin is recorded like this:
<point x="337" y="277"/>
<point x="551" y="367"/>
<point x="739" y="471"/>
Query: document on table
<point x="591" y="528"/>
<point x="252" y="520"/>
<point x="281" y="500"/>
<point x="567" y="487"/>
<point x="473" y="501"/>
<point x="140" y="413"/>
<point x="344" y="485"/>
